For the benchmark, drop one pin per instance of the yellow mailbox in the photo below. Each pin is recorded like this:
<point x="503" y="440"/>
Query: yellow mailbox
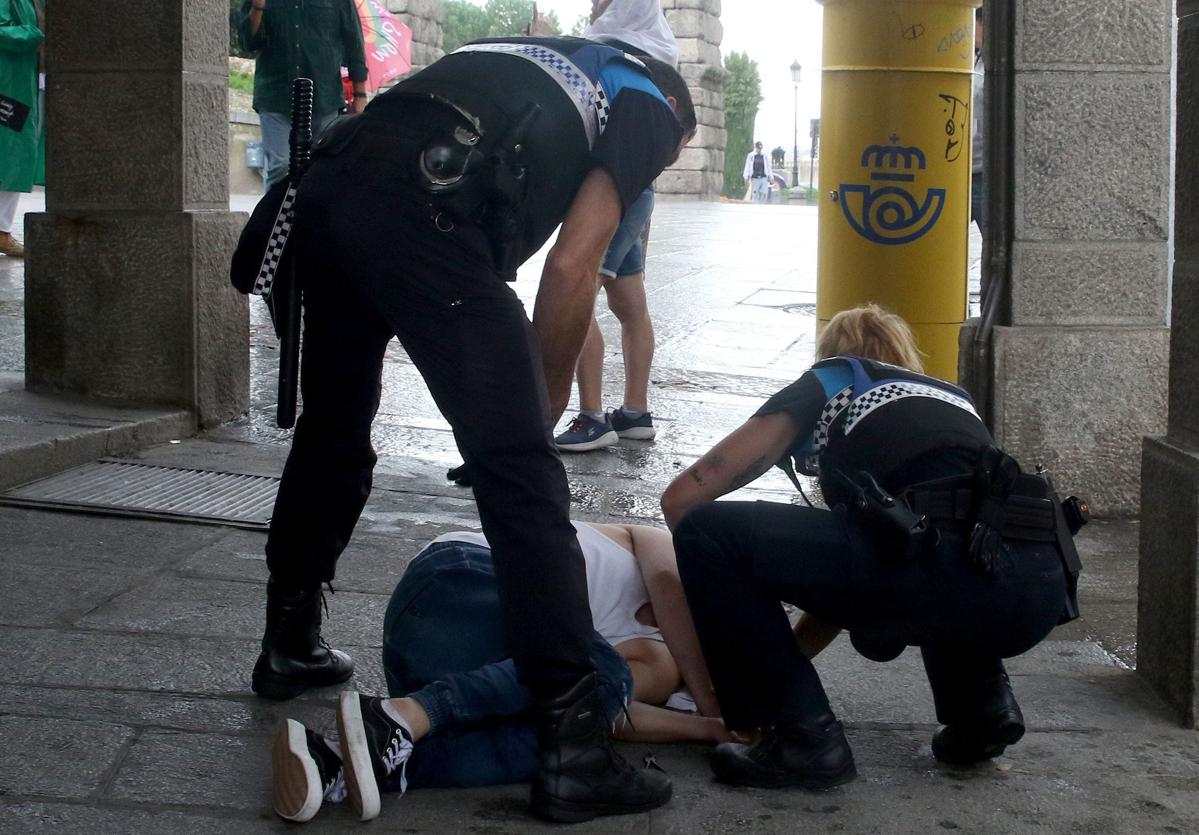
<point x="895" y="165"/>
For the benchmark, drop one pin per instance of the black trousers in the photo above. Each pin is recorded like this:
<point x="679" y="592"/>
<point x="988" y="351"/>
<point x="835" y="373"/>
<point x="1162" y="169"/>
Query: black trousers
<point x="374" y="265"/>
<point x="739" y="560"/>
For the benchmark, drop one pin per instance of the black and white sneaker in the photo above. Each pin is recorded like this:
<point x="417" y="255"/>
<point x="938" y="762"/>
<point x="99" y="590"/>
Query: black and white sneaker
<point x="305" y="772"/>
<point x="376" y="750"/>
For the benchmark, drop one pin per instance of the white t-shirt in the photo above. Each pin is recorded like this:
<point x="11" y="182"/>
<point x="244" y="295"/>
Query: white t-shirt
<point x="615" y="589"/>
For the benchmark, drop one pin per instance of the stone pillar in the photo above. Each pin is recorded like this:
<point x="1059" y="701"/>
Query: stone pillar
<point x="1080" y="365"/>
<point x="127" y="293"/>
<point x="699" y="171"/>
<point x="1168" y="607"/>
<point x="424" y="18"/>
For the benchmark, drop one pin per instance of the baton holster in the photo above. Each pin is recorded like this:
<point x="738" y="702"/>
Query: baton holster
<point x="891" y="523"/>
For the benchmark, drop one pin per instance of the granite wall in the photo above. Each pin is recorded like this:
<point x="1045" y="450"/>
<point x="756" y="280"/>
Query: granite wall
<point x="1080" y="366"/>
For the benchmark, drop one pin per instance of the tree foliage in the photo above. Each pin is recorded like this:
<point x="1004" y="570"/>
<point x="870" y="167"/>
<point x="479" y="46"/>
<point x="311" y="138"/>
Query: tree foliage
<point x="466" y="21"/>
<point x="742" y="94"/>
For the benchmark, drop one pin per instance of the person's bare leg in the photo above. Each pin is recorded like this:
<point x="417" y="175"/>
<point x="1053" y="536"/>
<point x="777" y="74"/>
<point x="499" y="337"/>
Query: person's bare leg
<point x="412" y="713"/>
<point x="589" y="372"/>
<point x="626" y="300"/>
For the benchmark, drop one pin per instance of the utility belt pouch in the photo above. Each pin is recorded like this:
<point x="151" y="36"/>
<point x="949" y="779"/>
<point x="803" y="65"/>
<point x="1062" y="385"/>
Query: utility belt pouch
<point x="891" y="523"/>
<point x="481" y="182"/>
<point x="338" y="135"/>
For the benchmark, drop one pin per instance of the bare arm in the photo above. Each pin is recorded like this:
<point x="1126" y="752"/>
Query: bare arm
<point x="566" y="296"/>
<point x="256" y="9"/>
<point x="654" y="550"/>
<point x="647" y="723"/>
<point x="743" y="456"/>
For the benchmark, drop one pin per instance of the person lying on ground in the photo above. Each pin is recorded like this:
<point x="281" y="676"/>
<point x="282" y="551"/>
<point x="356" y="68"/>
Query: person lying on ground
<point x="458" y="715"/>
<point x="936" y="539"/>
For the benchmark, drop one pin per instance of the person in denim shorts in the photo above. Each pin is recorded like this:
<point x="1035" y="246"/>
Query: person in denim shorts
<point x="622" y="275"/>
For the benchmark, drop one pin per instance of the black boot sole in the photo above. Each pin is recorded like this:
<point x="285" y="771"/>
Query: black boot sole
<point x="555" y="809"/>
<point x="278" y="687"/>
<point x="1007" y="733"/>
<point x="787" y="780"/>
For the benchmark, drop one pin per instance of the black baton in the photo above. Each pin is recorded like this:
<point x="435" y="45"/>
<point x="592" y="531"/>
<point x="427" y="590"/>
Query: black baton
<point x="288" y="305"/>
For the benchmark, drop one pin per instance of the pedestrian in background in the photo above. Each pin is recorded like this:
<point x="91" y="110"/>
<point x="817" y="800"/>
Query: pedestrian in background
<point x="292" y="39"/>
<point x="21" y="36"/>
<point x="758" y="172"/>
<point x="639" y="28"/>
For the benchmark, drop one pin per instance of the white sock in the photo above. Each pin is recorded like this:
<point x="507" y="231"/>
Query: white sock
<point x="594" y="415"/>
<point x="394" y="714"/>
<point x="632" y="413"/>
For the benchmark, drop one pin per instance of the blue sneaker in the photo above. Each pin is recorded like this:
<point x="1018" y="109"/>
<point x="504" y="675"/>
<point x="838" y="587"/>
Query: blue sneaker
<point x="585" y="433"/>
<point x="637" y="429"/>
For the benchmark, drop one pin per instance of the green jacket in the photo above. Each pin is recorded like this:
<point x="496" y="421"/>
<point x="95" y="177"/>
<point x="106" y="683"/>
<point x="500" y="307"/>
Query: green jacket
<point x="20" y="38"/>
<point x="303" y="38"/>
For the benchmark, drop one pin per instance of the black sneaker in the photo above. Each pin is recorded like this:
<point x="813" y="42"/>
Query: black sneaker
<point x="376" y="749"/>
<point x="304" y="772"/>
<point x="984" y="737"/>
<point x="813" y="755"/>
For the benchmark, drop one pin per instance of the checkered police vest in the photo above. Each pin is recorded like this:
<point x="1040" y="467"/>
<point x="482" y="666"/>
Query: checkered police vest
<point x="586" y="92"/>
<point x="863" y="396"/>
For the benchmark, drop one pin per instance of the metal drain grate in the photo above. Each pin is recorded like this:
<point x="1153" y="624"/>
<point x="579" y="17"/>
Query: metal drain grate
<point x="123" y="488"/>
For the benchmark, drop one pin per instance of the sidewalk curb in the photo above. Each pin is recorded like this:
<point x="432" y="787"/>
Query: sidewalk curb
<point x="41" y="435"/>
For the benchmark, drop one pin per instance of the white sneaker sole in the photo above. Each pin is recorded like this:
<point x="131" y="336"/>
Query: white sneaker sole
<point x="638" y="433"/>
<point x="604" y="440"/>
<point x="295" y="781"/>
<point x="356" y="757"/>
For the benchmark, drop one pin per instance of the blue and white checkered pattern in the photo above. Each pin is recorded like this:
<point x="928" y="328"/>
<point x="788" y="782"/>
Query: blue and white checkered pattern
<point x="275" y="245"/>
<point x="890" y="392"/>
<point x="589" y="99"/>
<point x="835" y="406"/>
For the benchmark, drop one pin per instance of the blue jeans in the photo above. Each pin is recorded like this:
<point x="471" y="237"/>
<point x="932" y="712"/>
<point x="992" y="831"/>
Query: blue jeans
<point x="625" y="255"/>
<point x="276" y="134"/>
<point x="444" y="646"/>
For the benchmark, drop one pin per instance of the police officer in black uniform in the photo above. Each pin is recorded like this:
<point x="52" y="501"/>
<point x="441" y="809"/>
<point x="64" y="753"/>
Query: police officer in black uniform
<point x="936" y="540"/>
<point x="409" y="222"/>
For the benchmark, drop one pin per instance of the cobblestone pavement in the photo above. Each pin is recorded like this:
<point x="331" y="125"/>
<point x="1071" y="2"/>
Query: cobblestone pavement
<point x="126" y="645"/>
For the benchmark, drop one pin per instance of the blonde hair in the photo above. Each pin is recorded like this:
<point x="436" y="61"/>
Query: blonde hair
<point x="871" y="332"/>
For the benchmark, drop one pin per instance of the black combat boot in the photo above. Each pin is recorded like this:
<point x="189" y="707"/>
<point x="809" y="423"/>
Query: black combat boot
<point x="994" y="726"/>
<point x="294" y="655"/>
<point x="581" y="775"/>
<point x="810" y="755"/>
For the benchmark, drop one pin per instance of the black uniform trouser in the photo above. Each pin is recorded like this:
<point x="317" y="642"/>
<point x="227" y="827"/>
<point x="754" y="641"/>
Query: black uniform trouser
<point x="738" y="560"/>
<point x="373" y="265"/>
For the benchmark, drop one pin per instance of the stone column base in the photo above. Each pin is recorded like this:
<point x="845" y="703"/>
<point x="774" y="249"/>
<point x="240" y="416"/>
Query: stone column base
<point x="1168" y="604"/>
<point x="138" y="307"/>
<point x="1078" y="399"/>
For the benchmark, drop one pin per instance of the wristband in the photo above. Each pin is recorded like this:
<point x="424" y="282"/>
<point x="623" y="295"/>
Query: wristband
<point x="360" y="95"/>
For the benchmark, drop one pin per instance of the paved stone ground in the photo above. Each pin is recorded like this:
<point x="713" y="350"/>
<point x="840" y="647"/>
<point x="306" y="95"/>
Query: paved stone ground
<point x="126" y="645"/>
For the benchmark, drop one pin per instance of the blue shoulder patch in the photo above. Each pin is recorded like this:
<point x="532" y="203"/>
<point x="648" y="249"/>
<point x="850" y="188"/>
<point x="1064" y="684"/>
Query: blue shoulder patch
<point x="833" y="377"/>
<point x="620" y="74"/>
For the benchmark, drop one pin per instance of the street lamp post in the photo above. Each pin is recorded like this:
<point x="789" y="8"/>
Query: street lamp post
<point x="795" y="69"/>
<point x="815" y="131"/>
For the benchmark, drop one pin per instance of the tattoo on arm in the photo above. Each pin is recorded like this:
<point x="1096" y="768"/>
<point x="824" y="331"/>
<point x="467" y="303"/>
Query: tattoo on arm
<point x="713" y="461"/>
<point x="750" y="473"/>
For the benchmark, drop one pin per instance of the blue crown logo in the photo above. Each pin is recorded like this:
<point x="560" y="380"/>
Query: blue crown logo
<point x="890" y="214"/>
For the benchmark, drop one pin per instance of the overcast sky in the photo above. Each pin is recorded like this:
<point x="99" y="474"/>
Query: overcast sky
<point x="774" y="33"/>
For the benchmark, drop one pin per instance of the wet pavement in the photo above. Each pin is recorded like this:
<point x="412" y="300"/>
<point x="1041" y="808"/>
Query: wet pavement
<point x="126" y="645"/>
